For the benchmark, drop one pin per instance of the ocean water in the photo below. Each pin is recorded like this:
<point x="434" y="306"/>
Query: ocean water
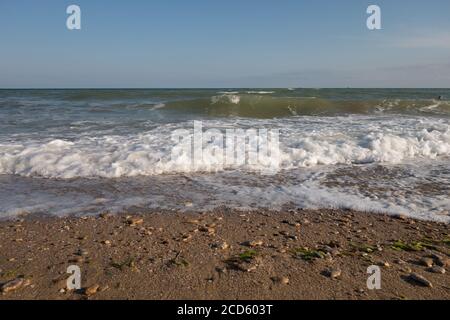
<point x="78" y="152"/>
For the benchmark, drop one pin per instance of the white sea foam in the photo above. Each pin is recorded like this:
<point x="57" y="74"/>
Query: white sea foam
<point x="151" y="153"/>
<point x="232" y="98"/>
<point x="228" y="92"/>
<point x="260" y="92"/>
<point x="158" y="106"/>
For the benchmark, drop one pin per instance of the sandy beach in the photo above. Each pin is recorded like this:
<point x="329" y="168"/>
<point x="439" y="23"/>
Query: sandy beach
<point x="225" y="254"/>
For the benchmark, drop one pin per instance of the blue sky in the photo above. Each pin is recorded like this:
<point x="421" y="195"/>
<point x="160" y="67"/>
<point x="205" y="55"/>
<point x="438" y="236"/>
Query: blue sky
<point x="233" y="43"/>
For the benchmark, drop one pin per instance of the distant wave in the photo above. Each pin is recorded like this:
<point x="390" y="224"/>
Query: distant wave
<point x="266" y="106"/>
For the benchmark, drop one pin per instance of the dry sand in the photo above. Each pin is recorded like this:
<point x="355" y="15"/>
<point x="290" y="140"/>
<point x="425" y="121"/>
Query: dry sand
<point x="225" y="255"/>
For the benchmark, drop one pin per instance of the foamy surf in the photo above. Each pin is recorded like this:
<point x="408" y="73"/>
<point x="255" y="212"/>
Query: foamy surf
<point x="304" y="142"/>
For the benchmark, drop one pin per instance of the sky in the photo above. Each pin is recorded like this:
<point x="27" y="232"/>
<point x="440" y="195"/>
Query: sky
<point x="233" y="43"/>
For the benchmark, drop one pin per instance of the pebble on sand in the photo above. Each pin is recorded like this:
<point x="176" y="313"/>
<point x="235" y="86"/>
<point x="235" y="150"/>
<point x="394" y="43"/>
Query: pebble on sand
<point x="134" y="221"/>
<point x="186" y="237"/>
<point x="421" y="280"/>
<point x="224" y="246"/>
<point x="14" y="285"/>
<point x="437" y="269"/>
<point x="207" y="229"/>
<point x="427" y="262"/>
<point x="443" y="262"/>
<point x="89" y="291"/>
<point x="384" y="264"/>
<point x="82" y="252"/>
<point x="334" y="273"/>
<point x="282" y="280"/>
<point x="255" y="243"/>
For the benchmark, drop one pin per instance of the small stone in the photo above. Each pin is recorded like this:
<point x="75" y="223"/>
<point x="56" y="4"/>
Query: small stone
<point x="186" y="237"/>
<point x="384" y="264"/>
<point x="256" y="243"/>
<point x="334" y="273"/>
<point x="221" y="270"/>
<point x="437" y="269"/>
<point x="406" y="269"/>
<point x="251" y="268"/>
<point x="282" y="280"/>
<point x="188" y="204"/>
<point x="107" y="242"/>
<point x="91" y="290"/>
<point x="421" y="280"/>
<point x="443" y="262"/>
<point x="14" y="285"/>
<point x="135" y="221"/>
<point x="207" y="229"/>
<point x="335" y="252"/>
<point x="224" y="246"/>
<point x="82" y="252"/>
<point x="427" y="262"/>
<point x="248" y="266"/>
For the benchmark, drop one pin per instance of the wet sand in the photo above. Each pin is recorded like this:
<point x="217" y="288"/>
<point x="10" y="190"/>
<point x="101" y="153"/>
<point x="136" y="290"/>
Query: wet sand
<point x="225" y="254"/>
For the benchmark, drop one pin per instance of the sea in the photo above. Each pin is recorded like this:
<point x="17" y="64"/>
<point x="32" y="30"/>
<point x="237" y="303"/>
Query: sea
<point x="81" y="152"/>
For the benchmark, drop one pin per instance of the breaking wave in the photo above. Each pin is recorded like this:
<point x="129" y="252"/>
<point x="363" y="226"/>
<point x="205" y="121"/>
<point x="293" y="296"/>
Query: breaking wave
<point x="153" y="153"/>
<point x="267" y="107"/>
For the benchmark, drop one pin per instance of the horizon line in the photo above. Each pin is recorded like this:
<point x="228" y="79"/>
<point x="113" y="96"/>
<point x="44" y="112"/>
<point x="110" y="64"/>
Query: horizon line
<point x="210" y="88"/>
